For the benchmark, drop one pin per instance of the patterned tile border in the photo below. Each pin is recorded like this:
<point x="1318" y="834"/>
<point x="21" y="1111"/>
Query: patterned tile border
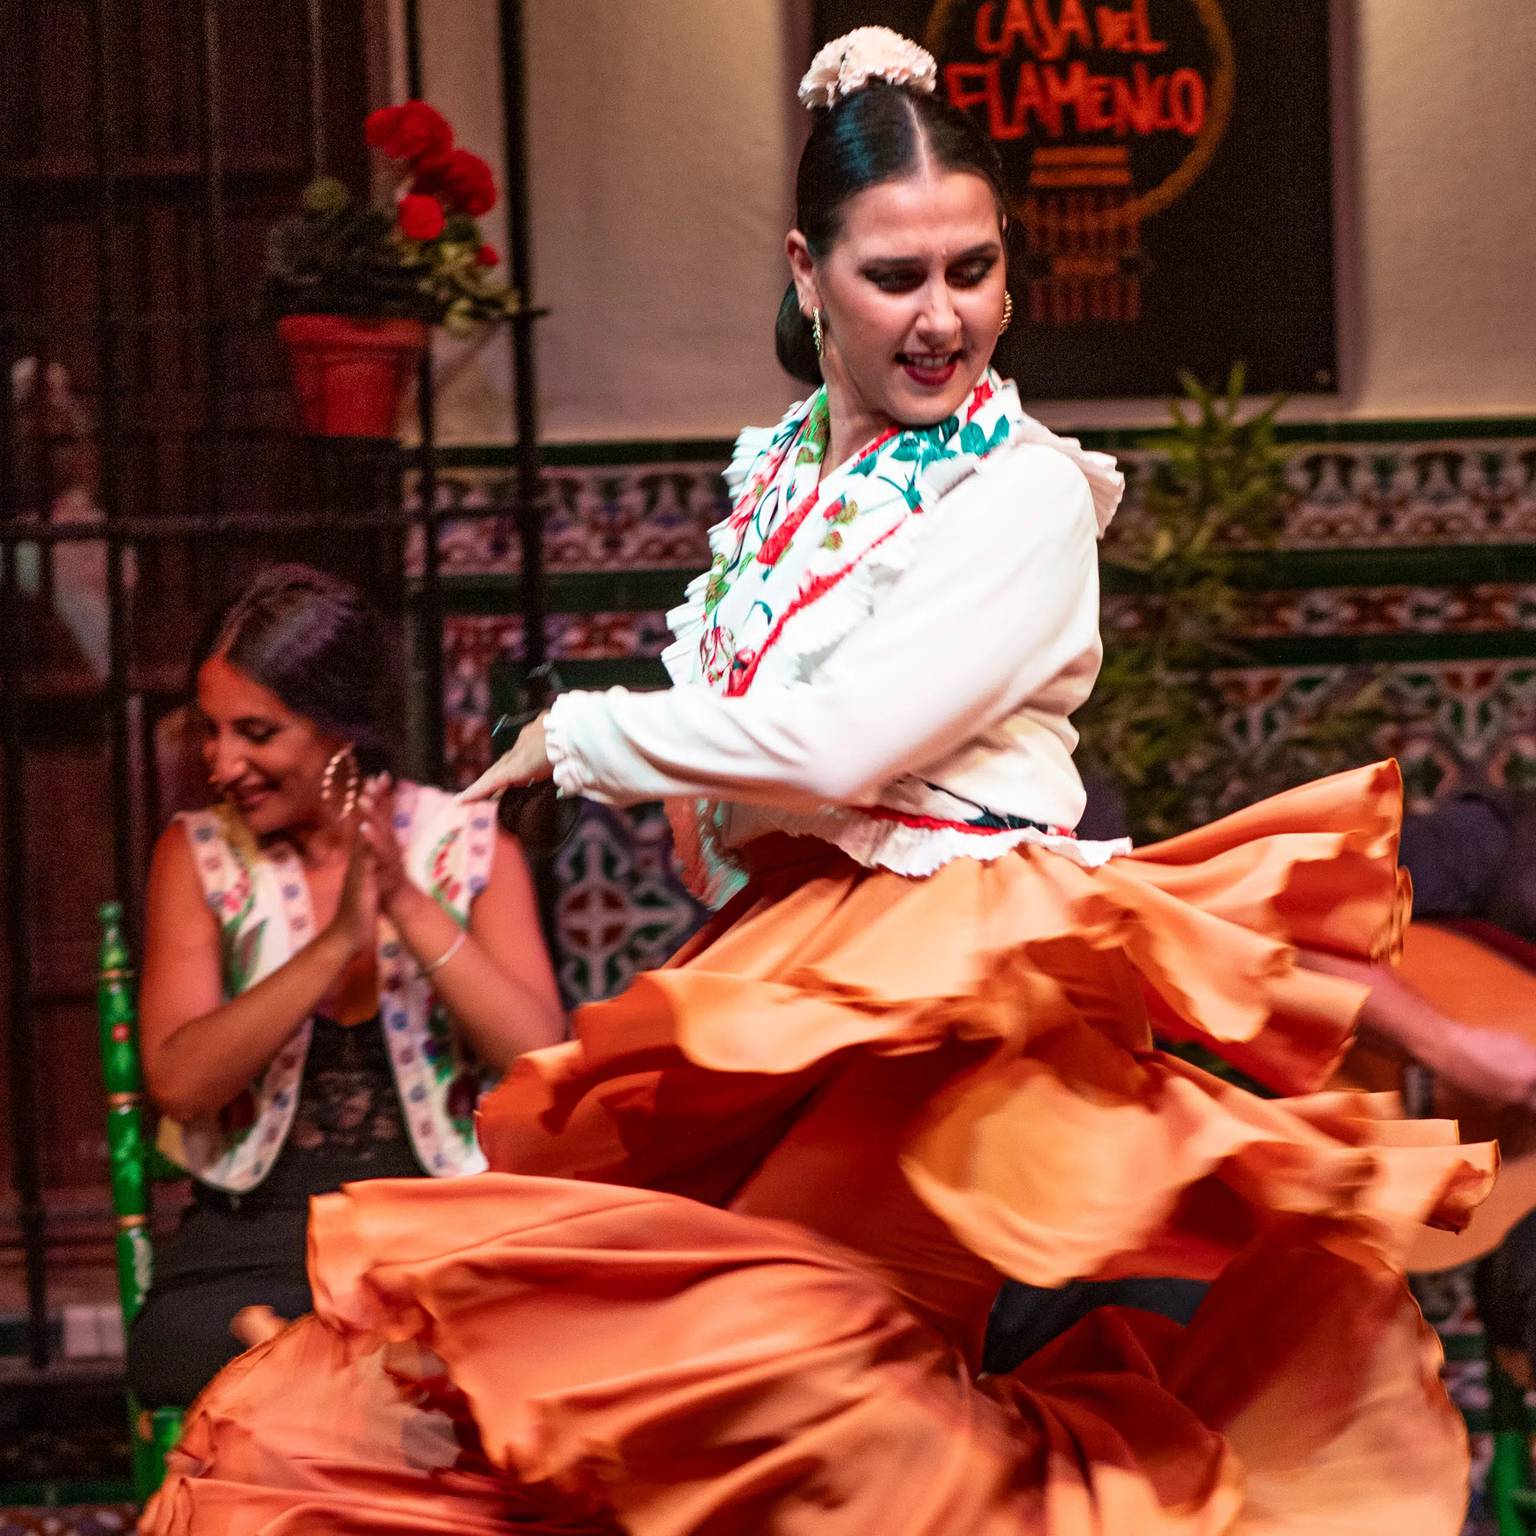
<point x="1350" y="496"/>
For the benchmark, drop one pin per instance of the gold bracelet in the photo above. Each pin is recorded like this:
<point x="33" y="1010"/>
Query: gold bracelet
<point x="446" y="956"/>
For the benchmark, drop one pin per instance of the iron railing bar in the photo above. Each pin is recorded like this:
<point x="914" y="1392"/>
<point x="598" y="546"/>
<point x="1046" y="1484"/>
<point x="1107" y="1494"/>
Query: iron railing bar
<point x="184" y="525"/>
<point x="529" y="502"/>
<point x="44" y="442"/>
<point x="413" y="56"/>
<point x="108" y="397"/>
<point x="144" y="320"/>
<point x="428" y="617"/>
<point x="525" y="400"/>
<point x="315" y="59"/>
<point x="215" y="337"/>
<point x="25" y="1160"/>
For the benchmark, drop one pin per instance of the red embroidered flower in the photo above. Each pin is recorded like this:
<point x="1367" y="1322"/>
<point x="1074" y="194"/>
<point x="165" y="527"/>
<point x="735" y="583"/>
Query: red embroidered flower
<point x="462" y="180"/>
<point x="463" y="1093"/>
<point x="421" y="218"/>
<point x="717" y="649"/>
<point x="409" y="132"/>
<point x="239" y="1114"/>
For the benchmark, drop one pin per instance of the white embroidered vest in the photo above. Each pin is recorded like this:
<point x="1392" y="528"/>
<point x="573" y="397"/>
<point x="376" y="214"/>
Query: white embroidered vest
<point x="261" y="901"/>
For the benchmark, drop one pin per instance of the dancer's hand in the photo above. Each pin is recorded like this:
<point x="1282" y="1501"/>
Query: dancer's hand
<point x="527" y="763"/>
<point x="1496" y="1065"/>
<point x="255" y="1325"/>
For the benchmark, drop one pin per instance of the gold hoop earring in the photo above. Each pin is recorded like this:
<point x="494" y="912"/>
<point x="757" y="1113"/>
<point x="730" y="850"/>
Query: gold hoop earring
<point x="1007" y="312"/>
<point x="342" y="756"/>
<point x="818" y="332"/>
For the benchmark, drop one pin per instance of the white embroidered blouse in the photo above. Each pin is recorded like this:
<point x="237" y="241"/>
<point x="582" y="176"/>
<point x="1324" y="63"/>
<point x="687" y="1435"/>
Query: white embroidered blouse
<point x="903" y="704"/>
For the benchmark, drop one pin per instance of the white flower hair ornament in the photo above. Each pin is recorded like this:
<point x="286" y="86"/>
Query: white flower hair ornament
<point x="850" y="62"/>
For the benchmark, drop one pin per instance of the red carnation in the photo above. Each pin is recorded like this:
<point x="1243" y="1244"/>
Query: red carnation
<point x="430" y="168"/>
<point x="409" y="132"/>
<point x="463" y="181"/>
<point x="421" y="218"/>
<point x="487" y="256"/>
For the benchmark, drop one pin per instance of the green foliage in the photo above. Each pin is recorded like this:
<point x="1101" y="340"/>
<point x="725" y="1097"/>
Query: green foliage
<point x="337" y="257"/>
<point x="1216" y="502"/>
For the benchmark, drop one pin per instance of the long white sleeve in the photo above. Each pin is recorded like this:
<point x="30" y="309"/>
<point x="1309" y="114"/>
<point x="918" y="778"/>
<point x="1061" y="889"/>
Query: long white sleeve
<point x="1000" y="598"/>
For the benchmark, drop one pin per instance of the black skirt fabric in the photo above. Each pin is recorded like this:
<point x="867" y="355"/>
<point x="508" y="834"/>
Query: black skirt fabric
<point x="219" y="1259"/>
<point x="231" y="1252"/>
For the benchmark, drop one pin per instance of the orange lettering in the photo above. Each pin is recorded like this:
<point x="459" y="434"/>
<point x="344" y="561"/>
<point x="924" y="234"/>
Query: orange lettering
<point x="973" y="85"/>
<point x="1035" y="95"/>
<point x="1127" y="31"/>
<point x="1075" y="21"/>
<point x="1135" y="105"/>
<point x="996" y="43"/>
<point x="1186" y="100"/>
<point x="1093" y="107"/>
<point x="1069" y="90"/>
<point x="1053" y="42"/>
<point x="1015" y="24"/>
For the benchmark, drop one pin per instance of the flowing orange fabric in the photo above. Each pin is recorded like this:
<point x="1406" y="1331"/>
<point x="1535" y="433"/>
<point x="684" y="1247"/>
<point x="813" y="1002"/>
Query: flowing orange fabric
<point x="731" y="1272"/>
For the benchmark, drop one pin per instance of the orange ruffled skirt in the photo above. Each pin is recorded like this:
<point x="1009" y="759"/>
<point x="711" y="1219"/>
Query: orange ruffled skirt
<point x="733" y="1267"/>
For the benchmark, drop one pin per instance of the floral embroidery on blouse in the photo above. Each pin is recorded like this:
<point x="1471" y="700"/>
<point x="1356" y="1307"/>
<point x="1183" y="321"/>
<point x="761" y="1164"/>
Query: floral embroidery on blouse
<point x="792" y="535"/>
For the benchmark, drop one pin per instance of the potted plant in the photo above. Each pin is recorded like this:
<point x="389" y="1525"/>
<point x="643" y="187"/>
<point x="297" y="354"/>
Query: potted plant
<point x="354" y="287"/>
<point x="1191" y="557"/>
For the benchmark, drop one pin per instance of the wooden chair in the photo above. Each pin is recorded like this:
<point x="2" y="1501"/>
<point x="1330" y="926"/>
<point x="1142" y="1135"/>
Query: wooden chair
<point x="135" y="1165"/>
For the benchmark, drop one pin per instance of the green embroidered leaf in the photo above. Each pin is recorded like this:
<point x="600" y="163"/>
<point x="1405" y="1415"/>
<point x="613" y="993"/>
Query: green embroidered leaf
<point x="833" y="540"/>
<point x="241" y="952"/>
<point x="973" y="439"/>
<point x="925" y="447"/>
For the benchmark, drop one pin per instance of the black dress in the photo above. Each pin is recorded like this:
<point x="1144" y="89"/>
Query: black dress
<point x="234" y="1251"/>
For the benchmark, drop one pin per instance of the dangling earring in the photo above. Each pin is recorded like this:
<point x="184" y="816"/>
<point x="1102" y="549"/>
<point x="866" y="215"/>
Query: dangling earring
<point x="818" y="334"/>
<point x="353" y="783"/>
<point x="1007" y="312"/>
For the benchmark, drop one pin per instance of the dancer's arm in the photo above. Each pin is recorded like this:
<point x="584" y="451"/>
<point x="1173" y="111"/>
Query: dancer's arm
<point x="1496" y="1066"/>
<point x="1001" y="598"/>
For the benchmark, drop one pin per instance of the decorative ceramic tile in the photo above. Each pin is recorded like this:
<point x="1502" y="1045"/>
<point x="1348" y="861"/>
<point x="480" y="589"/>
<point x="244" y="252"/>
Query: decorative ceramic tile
<point x="621" y="907"/>
<point x="637" y="517"/>
<point x="1394" y="495"/>
<point x="1387" y="610"/>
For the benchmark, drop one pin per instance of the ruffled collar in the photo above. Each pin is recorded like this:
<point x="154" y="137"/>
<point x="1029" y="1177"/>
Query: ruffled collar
<point x="801" y="558"/>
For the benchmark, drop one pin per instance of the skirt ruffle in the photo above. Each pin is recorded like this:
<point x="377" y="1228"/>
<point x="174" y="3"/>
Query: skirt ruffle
<point x="608" y="1344"/>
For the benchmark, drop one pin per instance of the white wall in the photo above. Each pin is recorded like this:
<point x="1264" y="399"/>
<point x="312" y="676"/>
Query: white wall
<point x="1445" y="207"/>
<point x="663" y="137"/>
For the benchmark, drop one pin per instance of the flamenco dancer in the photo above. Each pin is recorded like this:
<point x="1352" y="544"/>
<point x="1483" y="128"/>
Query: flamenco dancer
<point x="730" y="1269"/>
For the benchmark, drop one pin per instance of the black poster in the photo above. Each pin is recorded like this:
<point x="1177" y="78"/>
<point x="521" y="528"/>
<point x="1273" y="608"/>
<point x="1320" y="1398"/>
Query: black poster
<point x="1168" y="172"/>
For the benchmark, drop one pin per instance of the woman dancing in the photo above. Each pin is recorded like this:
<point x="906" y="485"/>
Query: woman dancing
<point x="732" y="1267"/>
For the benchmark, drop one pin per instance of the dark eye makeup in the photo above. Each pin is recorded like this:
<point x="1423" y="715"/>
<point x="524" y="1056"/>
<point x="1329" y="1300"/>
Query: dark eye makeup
<point x="903" y="277"/>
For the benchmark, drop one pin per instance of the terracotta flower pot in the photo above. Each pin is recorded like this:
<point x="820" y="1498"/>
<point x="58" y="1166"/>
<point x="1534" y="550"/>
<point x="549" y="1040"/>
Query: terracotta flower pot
<point x="349" y="374"/>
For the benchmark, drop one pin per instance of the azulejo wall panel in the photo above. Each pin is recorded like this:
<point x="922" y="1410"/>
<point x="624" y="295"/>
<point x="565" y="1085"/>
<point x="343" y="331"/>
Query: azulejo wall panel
<point x="1409" y="557"/>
